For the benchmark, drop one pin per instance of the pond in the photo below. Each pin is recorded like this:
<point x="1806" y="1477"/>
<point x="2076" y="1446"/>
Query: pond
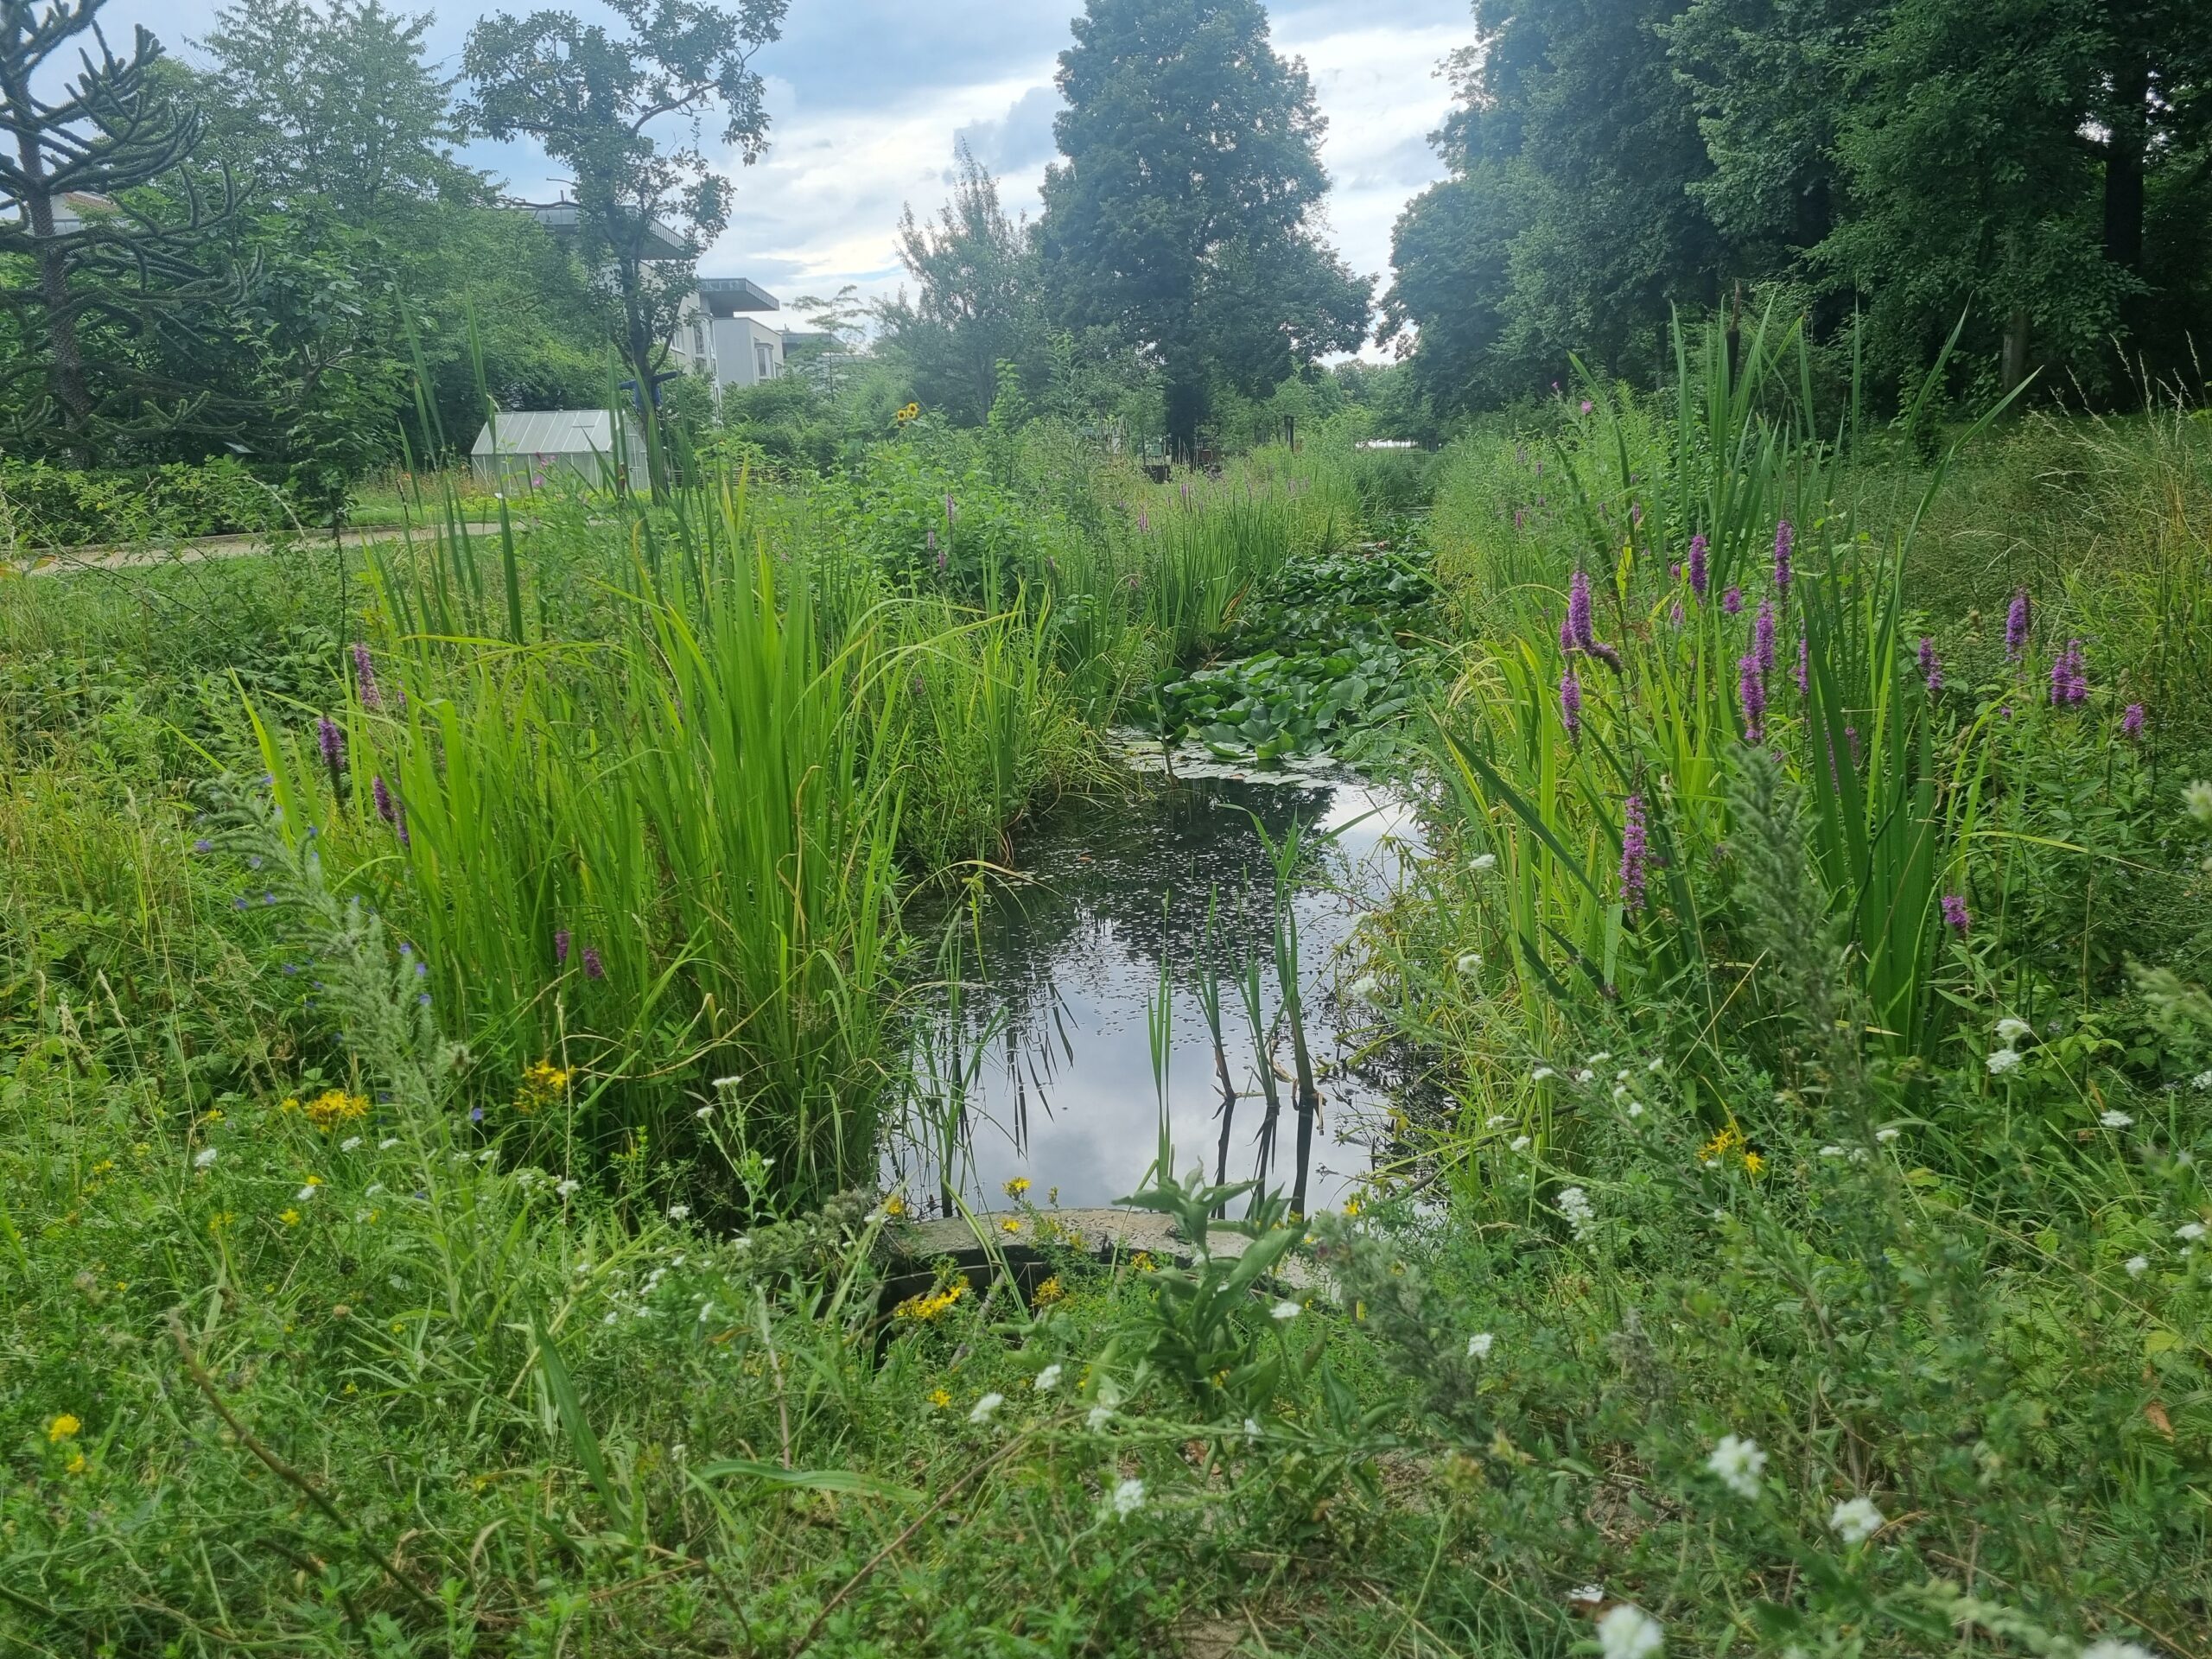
<point x="1036" y="1057"/>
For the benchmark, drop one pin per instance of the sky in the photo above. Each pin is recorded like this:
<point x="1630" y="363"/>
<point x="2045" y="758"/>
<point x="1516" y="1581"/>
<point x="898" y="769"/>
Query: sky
<point x="869" y="97"/>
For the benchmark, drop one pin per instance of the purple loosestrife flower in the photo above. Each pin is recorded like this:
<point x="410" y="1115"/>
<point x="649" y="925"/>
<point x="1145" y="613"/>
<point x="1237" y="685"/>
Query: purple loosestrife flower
<point x="1566" y="645"/>
<point x="1698" y="574"/>
<point x="560" y="946"/>
<point x="1804" y="667"/>
<point x="1784" y="539"/>
<point x="332" y="743"/>
<point x="1954" y="912"/>
<point x="1570" y="701"/>
<point x="1931" y="666"/>
<point x="594" y="968"/>
<point x="1578" y="619"/>
<point x="391" y="810"/>
<point x="951" y="512"/>
<point x="1675" y="615"/>
<point x="2131" y="723"/>
<point x="1762" y="636"/>
<point x="1750" y="692"/>
<point x="2017" y="619"/>
<point x="1733" y="602"/>
<point x="365" y="677"/>
<point x="1586" y="405"/>
<point x="1634" y="850"/>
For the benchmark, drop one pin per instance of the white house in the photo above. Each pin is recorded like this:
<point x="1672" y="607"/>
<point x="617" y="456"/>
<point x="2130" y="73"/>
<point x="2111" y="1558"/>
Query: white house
<point x="717" y="331"/>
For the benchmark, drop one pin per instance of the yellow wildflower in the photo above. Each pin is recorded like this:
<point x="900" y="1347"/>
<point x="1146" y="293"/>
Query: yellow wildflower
<point x="922" y="1308"/>
<point x="1352" y="1208"/>
<point x="1009" y="1225"/>
<point x="76" y="1464"/>
<point x="1050" y="1291"/>
<point x="1017" y="1186"/>
<point x="333" y="1107"/>
<point x="911" y="411"/>
<point x="544" y="1084"/>
<point x="940" y="1398"/>
<point x="64" y="1427"/>
<point x="894" y="1205"/>
<point x="219" y="1220"/>
<point x="1730" y="1144"/>
<point x="289" y="1218"/>
<point x="1142" y="1261"/>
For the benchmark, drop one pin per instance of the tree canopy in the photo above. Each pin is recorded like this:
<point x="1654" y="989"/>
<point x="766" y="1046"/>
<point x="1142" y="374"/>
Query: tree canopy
<point x="2045" y="165"/>
<point x="1184" y="215"/>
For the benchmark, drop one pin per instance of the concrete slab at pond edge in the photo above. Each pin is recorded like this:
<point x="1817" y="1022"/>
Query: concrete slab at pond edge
<point x="1104" y="1233"/>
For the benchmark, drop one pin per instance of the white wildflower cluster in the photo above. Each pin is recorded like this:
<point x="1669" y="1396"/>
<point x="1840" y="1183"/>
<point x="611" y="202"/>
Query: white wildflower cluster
<point x="2003" y="1060"/>
<point x="205" y="1157"/>
<point x="1127" y="1499"/>
<point x="1628" y="1632"/>
<point x="2196" y="798"/>
<point x="1855" y="1520"/>
<point x="2114" y="1119"/>
<point x="2009" y="1031"/>
<point x="986" y="1407"/>
<point x="1737" y="1462"/>
<point x="1048" y="1379"/>
<point x="1480" y="1344"/>
<point x="2108" y="1647"/>
<point x="1574" y="1203"/>
<point x="1367" y="988"/>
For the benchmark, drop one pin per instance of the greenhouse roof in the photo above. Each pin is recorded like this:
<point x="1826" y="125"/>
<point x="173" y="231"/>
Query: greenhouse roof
<point x="550" y="432"/>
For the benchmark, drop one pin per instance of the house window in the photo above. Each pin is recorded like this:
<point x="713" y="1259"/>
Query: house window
<point x="764" y="357"/>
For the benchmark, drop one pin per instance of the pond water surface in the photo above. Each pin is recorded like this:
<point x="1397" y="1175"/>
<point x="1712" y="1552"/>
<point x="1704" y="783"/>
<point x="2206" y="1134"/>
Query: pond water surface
<point x="1036" y="1059"/>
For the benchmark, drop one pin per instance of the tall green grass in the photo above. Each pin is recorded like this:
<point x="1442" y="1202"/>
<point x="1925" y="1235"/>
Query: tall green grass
<point x="1894" y="793"/>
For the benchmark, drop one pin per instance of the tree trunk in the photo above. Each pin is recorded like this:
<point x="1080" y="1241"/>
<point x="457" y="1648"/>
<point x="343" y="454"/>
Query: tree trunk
<point x="2126" y="143"/>
<point x="66" y="373"/>
<point x="2013" y="367"/>
<point x="1186" y="407"/>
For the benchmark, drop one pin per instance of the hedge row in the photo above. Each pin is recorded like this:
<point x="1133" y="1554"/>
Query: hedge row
<point x="42" y="506"/>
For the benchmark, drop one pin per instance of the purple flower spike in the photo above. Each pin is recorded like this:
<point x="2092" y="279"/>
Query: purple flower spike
<point x="1804" y="668"/>
<point x="594" y="968"/>
<point x="1566" y="644"/>
<point x="951" y="512"/>
<point x="386" y="809"/>
<point x="1751" y="692"/>
<point x="1733" y="602"/>
<point x="560" y="946"/>
<point x="1634" y="850"/>
<point x="1955" y="913"/>
<point x="2017" y="621"/>
<point x="1586" y="405"/>
<point x="1570" y="702"/>
<point x="1698" y="576"/>
<point x="1762" y="636"/>
<point x="1578" y="622"/>
<point x="2131" y="723"/>
<point x="365" y="677"/>
<point x="1675" y="615"/>
<point x="1784" y="538"/>
<point x="1931" y="666"/>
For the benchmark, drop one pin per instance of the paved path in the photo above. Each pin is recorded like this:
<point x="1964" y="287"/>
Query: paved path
<point x="68" y="560"/>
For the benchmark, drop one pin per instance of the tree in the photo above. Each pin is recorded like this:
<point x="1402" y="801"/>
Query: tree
<point x="975" y="300"/>
<point x="335" y="100"/>
<point x="81" y="251"/>
<point x="1184" y="217"/>
<point x="592" y="98"/>
<point x="1572" y="222"/>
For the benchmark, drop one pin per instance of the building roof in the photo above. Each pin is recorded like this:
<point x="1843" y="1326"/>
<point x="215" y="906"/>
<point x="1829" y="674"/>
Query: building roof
<point x="560" y="218"/>
<point x="728" y="295"/>
<point x="552" y="432"/>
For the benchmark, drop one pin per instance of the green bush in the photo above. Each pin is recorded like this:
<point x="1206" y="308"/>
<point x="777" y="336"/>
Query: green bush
<point x="54" y="507"/>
